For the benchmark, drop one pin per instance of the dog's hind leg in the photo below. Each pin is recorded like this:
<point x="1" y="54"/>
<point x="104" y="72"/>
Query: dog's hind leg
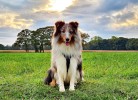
<point x="79" y="68"/>
<point x="50" y="78"/>
<point x="53" y="83"/>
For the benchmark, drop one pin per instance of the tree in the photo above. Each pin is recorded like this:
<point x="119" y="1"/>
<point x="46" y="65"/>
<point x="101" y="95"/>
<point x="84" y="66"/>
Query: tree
<point x="2" y="47"/>
<point x="114" y="37"/>
<point x="8" y="47"/>
<point x="35" y="40"/>
<point x="15" y="46"/>
<point x="121" y="43"/>
<point x="24" y="39"/>
<point x="49" y="31"/>
<point x="118" y="43"/>
<point x="85" y="38"/>
<point x="113" y="43"/>
<point x="96" y="38"/>
<point x="45" y="35"/>
<point x="95" y="43"/>
<point x="104" y="44"/>
<point x="132" y="44"/>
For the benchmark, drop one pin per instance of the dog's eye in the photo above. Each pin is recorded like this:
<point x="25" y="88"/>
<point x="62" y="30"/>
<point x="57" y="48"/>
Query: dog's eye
<point x="71" y="31"/>
<point x="63" y="31"/>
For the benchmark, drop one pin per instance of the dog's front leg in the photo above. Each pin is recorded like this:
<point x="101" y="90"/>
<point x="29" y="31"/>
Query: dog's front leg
<point x="61" y="71"/>
<point x="61" y="83"/>
<point x="72" y="72"/>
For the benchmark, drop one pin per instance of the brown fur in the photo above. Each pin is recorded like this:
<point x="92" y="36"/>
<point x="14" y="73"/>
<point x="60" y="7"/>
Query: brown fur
<point x="61" y="26"/>
<point x="74" y="24"/>
<point x="60" y="40"/>
<point x="58" y="26"/>
<point x="50" y="78"/>
<point x="53" y="83"/>
<point x="72" y="41"/>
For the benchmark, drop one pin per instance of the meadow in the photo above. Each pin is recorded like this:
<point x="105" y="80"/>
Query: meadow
<point x="108" y="76"/>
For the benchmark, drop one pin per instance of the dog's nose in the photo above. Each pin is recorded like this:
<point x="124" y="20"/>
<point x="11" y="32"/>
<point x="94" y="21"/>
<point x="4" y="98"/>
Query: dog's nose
<point x="67" y="39"/>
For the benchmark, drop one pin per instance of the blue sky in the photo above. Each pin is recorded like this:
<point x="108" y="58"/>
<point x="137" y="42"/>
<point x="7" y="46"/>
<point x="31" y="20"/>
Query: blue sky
<point x="103" y="18"/>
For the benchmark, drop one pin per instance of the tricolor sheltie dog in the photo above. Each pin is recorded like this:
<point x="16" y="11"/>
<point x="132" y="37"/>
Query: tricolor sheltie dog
<point x="66" y="60"/>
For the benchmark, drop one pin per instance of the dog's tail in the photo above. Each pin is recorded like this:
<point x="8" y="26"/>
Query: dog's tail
<point x="79" y="68"/>
<point x="50" y="77"/>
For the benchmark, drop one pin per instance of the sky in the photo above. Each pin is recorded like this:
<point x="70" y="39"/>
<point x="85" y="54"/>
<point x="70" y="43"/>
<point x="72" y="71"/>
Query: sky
<point x="104" y="18"/>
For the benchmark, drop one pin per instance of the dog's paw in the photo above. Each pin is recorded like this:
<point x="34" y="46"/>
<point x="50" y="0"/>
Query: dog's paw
<point x="53" y="83"/>
<point x="83" y="80"/>
<point x="71" y="89"/>
<point x="61" y="89"/>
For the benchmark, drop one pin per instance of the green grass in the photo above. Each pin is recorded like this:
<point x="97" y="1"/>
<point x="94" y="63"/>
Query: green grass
<point x="108" y="76"/>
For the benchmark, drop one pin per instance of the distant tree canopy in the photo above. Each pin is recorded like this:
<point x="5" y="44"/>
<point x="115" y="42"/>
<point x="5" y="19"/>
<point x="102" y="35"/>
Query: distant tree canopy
<point x="115" y="43"/>
<point x="2" y="47"/>
<point x="85" y="38"/>
<point x="37" y="40"/>
<point x="40" y="40"/>
<point x="24" y="39"/>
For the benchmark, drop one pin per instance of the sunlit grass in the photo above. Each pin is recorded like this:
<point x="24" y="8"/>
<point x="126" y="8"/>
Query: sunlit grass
<point x="110" y="76"/>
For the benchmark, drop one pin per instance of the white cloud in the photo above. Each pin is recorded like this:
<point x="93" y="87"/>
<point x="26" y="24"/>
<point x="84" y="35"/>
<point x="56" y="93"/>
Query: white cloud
<point x="125" y="18"/>
<point x="54" y="5"/>
<point x="13" y="20"/>
<point x="96" y="17"/>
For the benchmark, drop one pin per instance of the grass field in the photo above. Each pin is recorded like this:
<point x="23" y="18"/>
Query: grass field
<point x="108" y="76"/>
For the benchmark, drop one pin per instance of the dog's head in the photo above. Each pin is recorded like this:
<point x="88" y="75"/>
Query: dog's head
<point x="66" y="32"/>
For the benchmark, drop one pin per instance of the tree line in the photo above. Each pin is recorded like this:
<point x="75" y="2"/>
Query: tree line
<point x="40" y="40"/>
<point x="114" y="43"/>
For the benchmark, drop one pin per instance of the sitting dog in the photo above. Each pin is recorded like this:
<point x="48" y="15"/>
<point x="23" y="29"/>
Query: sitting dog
<point x="66" y="61"/>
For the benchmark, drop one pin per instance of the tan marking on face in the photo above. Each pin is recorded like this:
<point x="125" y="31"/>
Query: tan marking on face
<point x="60" y="40"/>
<point x="63" y="37"/>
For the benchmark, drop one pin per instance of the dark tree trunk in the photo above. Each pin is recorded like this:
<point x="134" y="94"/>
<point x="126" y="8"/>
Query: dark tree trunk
<point x="41" y="48"/>
<point x="26" y="47"/>
<point x="35" y="47"/>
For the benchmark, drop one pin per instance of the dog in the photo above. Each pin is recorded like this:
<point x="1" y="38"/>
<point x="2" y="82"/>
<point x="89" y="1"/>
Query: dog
<point x="66" y="60"/>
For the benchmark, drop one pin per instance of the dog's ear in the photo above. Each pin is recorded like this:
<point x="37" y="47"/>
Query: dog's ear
<point x="74" y="24"/>
<point x="58" y="26"/>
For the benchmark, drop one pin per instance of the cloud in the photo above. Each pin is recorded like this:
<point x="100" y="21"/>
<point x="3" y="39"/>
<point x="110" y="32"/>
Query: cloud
<point x="126" y="18"/>
<point x="110" y="21"/>
<point x="107" y="6"/>
<point x="21" y="5"/>
<point x="54" y="5"/>
<point x="13" y="20"/>
<point x="96" y="17"/>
